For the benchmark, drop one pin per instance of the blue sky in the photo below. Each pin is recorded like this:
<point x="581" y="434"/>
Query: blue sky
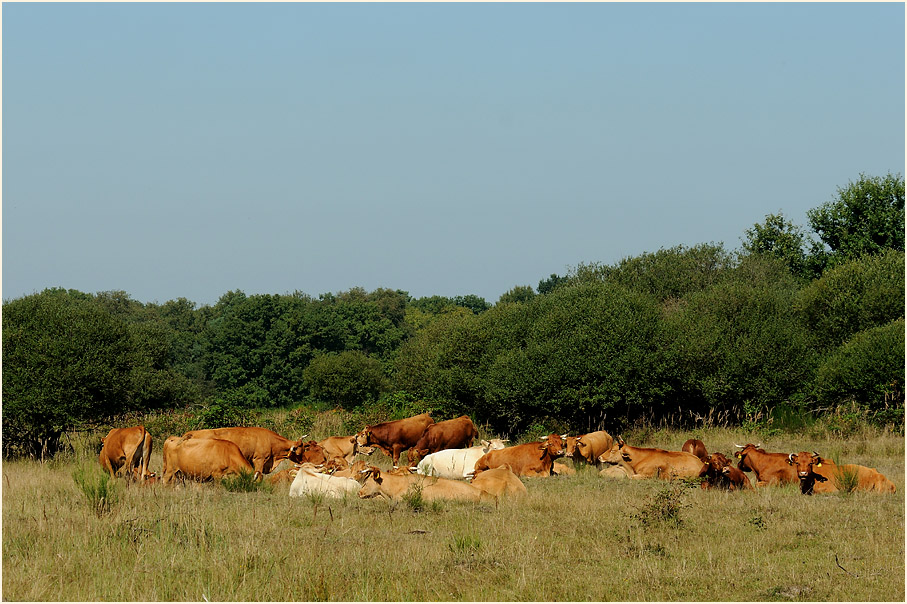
<point x="187" y="150"/>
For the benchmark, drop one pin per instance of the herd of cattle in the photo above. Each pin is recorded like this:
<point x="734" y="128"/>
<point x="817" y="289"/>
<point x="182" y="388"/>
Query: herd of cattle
<point x="444" y="464"/>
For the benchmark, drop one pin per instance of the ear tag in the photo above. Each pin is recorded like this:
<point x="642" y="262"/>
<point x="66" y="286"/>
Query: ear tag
<point x="819" y="465"/>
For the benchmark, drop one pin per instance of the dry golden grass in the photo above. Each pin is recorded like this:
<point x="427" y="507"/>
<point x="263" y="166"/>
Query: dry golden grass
<point x="577" y="537"/>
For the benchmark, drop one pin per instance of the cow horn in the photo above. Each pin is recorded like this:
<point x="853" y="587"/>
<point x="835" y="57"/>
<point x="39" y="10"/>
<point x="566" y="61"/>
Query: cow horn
<point x="758" y="445"/>
<point x="740" y="446"/>
<point x="790" y="458"/>
<point x="564" y="435"/>
<point x="303" y="436"/>
<point x="815" y="454"/>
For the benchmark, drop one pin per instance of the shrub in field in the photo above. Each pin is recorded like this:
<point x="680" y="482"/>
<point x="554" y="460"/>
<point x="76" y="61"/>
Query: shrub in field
<point x="101" y="491"/>
<point x="868" y="370"/>
<point x="664" y="506"/>
<point x="244" y="482"/>
<point x="220" y="414"/>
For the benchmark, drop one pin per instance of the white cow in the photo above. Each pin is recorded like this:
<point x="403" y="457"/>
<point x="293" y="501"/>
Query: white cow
<point x="456" y="463"/>
<point x="309" y="481"/>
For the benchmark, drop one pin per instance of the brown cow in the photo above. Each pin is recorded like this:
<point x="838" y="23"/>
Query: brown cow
<point x="588" y="447"/>
<point x="124" y="449"/>
<point x="202" y="459"/>
<point x="262" y="448"/>
<point x="719" y="473"/>
<point x="499" y="481"/>
<point x="530" y="459"/>
<point x="345" y="447"/>
<point x="817" y="475"/>
<point x="642" y="462"/>
<point x="376" y="483"/>
<point x="457" y="433"/>
<point x="769" y="468"/>
<point x="395" y="436"/>
<point x="697" y="448"/>
<point x="307" y="452"/>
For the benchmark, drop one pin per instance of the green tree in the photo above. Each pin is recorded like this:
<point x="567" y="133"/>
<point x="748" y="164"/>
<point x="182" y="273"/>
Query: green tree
<point x="865" y="217"/>
<point x="779" y="238"/>
<point x="68" y="360"/>
<point x="739" y="345"/>
<point x="518" y="294"/>
<point x="347" y="379"/>
<point x="854" y="296"/>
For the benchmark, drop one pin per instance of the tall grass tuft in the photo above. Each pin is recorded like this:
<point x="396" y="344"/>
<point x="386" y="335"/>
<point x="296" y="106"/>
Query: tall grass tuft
<point x="846" y="479"/>
<point x="101" y="491"/>
<point x="244" y="482"/>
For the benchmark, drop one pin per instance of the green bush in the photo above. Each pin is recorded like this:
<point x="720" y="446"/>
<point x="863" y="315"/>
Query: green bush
<point x="868" y="370"/>
<point x="244" y="482"/>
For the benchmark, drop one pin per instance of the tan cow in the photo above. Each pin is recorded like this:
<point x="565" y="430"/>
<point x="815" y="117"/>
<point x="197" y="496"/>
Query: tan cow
<point x="262" y="448"/>
<point x="642" y="462"/>
<point x="345" y="447"/>
<point x="817" y="475"/>
<point x="376" y="483"/>
<point x="500" y="481"/>
<point x="588" y="447"/>
<point x="125" y="449"/>
<point x="202" y="459"/>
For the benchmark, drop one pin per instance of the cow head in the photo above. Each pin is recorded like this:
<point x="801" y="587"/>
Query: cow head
<point x="370" y="478"/>
<point x="570" y="445"/>
<point x="717" y="464"/>
<point x="552" y="445"/>
<point x="745" y="450"/>
<point x="334" y="464"/>
<point x="307" y="452"/>
<point x="805" y="463"/>
<point x="613" y="456"/>
<point x="363" y="437"/>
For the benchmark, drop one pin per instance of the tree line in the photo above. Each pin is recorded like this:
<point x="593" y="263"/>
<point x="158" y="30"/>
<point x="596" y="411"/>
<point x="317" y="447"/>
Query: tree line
<point x="784" y="322"/>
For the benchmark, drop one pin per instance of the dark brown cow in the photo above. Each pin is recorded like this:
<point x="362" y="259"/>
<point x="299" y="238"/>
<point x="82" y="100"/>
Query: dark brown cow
<point x="530" y="459"/>
<point x="720" y="474"/>
<point x="769" y="468"/>
<point x="202" y="459"/>
<point x="263" y="448"/>
<point x="455" y="433"/>
<point x="697" y="448"/>
<point x="395" y="436"/>
<point x="125" y="449"/>
<point x="641" y="462"/>
<point x="817" y="475"/>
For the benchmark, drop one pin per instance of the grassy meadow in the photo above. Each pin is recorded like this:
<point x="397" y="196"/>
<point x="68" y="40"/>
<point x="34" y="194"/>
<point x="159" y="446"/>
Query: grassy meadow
<point x="579" y="537"/>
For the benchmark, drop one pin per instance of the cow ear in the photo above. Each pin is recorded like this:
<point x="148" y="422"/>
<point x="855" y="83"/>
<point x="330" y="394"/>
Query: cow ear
<point x="737" y="454"/>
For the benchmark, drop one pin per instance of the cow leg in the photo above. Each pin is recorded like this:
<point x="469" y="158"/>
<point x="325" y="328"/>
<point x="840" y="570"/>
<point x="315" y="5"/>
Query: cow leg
<point x="146" y="455"/>
<point x="396" y="450"/>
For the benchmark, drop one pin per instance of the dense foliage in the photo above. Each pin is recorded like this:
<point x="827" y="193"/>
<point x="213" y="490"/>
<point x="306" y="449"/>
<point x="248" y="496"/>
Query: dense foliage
<point x="684" y="331"/>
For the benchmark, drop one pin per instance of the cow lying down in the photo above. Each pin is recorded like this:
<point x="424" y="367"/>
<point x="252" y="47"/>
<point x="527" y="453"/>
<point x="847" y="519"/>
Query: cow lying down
<point x="378" y="483"/>
<point x="309" y="481"/>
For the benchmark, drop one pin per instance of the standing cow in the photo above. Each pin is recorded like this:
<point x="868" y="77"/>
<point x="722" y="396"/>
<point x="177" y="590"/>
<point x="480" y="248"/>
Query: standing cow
<point x="395" y="436"/>
<point x="202" y="459"/>
<point x="455" y="433"/>
<point x="126" y="449"/>
<point x="262" y="448"/>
